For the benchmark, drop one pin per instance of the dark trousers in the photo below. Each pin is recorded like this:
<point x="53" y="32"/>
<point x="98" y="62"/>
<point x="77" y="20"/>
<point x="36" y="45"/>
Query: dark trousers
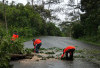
<point x="38" y="47"/>
<point x="70" y="51"/>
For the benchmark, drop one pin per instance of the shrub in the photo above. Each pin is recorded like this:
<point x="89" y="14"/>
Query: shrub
<point x="6" y="48"/>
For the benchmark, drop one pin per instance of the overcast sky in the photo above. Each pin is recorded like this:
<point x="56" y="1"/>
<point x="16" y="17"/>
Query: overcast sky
<point x="60" y="15"/>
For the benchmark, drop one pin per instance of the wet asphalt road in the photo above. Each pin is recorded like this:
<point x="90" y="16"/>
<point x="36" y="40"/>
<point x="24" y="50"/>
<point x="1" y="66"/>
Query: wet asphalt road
<point x="61" y="42"/>
<point x="76" y="63"/>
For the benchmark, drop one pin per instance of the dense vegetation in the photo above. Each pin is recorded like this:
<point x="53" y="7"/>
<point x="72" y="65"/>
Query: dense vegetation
<point x="28" y="21"/>
<point x="89" y="27"/>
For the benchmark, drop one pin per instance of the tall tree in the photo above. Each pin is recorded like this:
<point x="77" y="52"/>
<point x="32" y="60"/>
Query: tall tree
<point x="90" y="20"/>
<point x="5" y="15"/>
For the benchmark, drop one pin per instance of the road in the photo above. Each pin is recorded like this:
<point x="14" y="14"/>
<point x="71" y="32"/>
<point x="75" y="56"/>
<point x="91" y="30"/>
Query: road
<point x="61" y="42"/>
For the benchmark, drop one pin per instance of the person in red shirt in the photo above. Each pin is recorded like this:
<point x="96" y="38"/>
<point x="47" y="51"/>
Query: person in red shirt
<point x="68" y="50"/>
<point x="15" y="35"/>
<point x="37" y="43"/>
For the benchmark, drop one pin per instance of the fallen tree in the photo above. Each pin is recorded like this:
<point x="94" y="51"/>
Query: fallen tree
<point x="21" y="56"/>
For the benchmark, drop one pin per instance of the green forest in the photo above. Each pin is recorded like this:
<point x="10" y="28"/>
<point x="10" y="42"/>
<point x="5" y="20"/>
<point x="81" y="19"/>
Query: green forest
<point x="30" y="21"/>
<point x="26" y="20"/>
<point x="89" y="27"/>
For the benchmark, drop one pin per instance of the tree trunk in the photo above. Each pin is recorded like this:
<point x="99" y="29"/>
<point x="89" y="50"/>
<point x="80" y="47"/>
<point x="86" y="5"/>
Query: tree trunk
<point x="5" y="16"/>
<point x="32" y="3"/>
<point x="21" y="56"/>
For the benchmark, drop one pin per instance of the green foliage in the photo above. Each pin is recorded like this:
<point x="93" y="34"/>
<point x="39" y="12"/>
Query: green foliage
<point x="4" y="60"/>
<point x="25" y="32"/>
<point x="9" y="46"/>
<point x="17" y="47"/>
<point x="98" y="31"/>
<point x="90" y="20"/>
<point x="28" y="51"/>
<point x="48" y="57"/>
<point x="88" y="29"/>
<point x="95" y="40"/>
<point x="28" y="21"/>
<point x="50" y="52"/>
<point x="88" y="26"/>
<point x="78" y="51"/>
<point x="4" y="57"/>
<point x="77" y="30"/>
<point x="6" y="48"/>
<point x="2" y="33"/>
<point x="43" y="49"/>
<point x="53" y="30"/>
<point x="66" y="28"/>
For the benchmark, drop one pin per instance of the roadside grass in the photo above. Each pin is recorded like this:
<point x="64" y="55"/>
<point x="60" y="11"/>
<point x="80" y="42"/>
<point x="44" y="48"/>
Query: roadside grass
<point x="90" y="55"/>
<point x="89" y="41"/>
<point x="94" y="51"/>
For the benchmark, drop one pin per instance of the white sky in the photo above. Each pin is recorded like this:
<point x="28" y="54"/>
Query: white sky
<point x="17" y="1"/>
<point x="60" y="15"/>
<point x="25" y="1"/>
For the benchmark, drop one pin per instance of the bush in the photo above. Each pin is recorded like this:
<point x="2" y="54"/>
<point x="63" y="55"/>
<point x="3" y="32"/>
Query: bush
<point x="28" y="51"/>
<point x="4" y="60"/>
<point x="6" y="48"/>
<point x="14" y="47"/>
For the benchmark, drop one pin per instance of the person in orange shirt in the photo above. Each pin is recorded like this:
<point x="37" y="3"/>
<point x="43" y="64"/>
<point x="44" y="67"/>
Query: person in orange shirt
<point x="37" y="43"/>
<point x="68" y="50"/>
<point x="15" y="35"/>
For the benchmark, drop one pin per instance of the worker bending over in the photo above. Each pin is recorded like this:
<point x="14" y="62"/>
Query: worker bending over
<point x="68" y="52"/>
<point x="37" y="43"/>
